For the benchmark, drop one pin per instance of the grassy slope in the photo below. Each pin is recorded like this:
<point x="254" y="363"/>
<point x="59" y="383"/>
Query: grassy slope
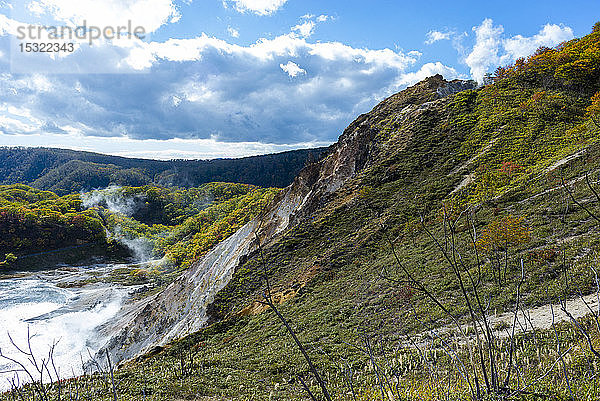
<point x="339" y="249"/>
<point x="417" y="167"/>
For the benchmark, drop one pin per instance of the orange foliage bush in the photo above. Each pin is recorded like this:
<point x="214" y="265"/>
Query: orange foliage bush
<point x="502" y="233"/>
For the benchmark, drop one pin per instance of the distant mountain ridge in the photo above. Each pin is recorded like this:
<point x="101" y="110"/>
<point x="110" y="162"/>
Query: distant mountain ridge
<point x="65" y="171"/>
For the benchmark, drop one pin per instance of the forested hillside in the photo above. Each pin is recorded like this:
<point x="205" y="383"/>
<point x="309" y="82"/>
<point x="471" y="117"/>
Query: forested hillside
<point x="140" y="222"/>
<point x="66" y="171"/>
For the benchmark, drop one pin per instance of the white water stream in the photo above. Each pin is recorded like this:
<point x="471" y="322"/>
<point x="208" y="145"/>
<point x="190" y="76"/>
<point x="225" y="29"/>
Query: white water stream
<point x="36" y="304"/>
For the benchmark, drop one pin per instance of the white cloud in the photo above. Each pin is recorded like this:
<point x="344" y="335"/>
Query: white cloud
<point x="436" y="36"/>
<point x="484" y="55"/>
<point x="144" y="55"/>
<point x="234" y="33"/>
<point x="428" y="70"/>
<point x="150" y="14"/>
<point x="18" y="119"/>
<point x="249" y="99"/>
<point x="308" y="23"/>
<point x="39" y="83"/>
<point x="550" y="36"/>
<point x="36" y="8"/>
<point x="205" y="88"/>
<point x="491" y="49"/>
<point x="8" y="26"/>
<point x="10" y="125"/>
<point x="304" y="29"/>
<point x="175" y="100"/>
<point x="292" y="69"/>
<point x="259" y="7"/>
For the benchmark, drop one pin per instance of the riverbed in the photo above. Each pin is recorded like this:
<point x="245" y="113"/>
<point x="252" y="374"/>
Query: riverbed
<point x="60" y="307"/>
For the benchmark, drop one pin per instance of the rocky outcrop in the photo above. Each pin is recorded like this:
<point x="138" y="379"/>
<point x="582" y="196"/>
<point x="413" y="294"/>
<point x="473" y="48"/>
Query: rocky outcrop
<point x="454" y="87"/>
<point x="181" y="307"/>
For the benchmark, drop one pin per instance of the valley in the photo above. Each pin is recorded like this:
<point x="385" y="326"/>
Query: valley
<point x="444" y="248"/>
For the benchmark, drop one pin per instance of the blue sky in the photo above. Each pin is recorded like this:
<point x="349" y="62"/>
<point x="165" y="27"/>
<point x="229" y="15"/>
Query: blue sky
<point x="228" y="78"/>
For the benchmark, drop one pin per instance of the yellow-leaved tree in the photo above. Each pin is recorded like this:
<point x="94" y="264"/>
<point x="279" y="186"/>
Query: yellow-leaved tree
<point x="593" y="110"/>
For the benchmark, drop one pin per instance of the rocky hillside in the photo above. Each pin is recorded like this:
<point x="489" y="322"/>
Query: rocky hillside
<point x="182" y="308"/>
<point x="367" y="254"/>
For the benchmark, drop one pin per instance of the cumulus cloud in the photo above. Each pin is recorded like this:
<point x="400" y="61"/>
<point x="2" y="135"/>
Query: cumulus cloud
<point x="204" y="96"/>
<point x="204" y="87"/>
<point x="491" y="49"/>
<point x="292" y="69"/>
<point x="428" y="70"/>
<point x="8" y="25"/>
<point x="308" y="23"/>
<point x="265" y="50"/>
<point x="305" y="29"/>
<point x="150" y="14"/>
<point x="259" y="7"/>
<point x="484" y="55"/>
<point x="234" y="33"/>
<point x="550" y="35"/>
<point x="436" y="36"/>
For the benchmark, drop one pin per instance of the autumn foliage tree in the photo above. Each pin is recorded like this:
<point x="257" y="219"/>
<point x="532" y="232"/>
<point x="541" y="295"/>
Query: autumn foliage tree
<point x="510" y="169"/>
<point x="502" y="233"/>
<point x="593" y="110"/>
<point x="498" y="237"/>
<point x="574" y="64"/>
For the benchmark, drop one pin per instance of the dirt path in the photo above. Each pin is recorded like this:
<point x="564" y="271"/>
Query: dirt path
<point x="541" y="317"/>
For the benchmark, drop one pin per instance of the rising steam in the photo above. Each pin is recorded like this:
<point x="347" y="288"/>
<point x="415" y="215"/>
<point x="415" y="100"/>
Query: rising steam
<point x="113" y="200"/>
